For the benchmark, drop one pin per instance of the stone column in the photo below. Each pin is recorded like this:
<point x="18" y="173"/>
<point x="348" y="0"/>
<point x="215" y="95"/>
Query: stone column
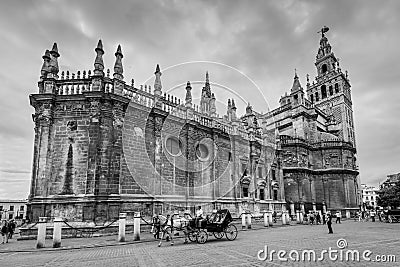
<point x="122" y="225"/>
<point x="269" y="214"/>
<point x="136" y="226"/>
<point x="41" y="236"/>
<point x="57" y="232"/>
<point x="287" y="217"/>
<point x="283" y="217"/>
<point x="292" y="211"/>
<point x="244" y="220"/>
<point x="303" y="210"/>
<point x="248" y="221"/>
<point x="348" y="214"/>
<point x="323" y="207"/>
<point x="298" y="216"/>
<point x="266" y="218"/>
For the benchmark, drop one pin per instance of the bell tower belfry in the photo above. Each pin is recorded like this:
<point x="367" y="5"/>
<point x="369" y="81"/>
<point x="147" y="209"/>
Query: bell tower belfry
<point x="330" y="91"/>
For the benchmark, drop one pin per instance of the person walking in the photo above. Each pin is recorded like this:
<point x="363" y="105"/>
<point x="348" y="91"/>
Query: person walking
<point x="338" y="216"/>
<point x="11" y="228"/>
<point x="324" y="218"/>
<point x="4" y="232"/>
<point x="199" y="216"/>
<point x="318" y="218"/>
<point x="311" y="218"/>
<point x="329" y="223"/>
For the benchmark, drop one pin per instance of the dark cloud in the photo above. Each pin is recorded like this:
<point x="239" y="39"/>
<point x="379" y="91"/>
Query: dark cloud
<point x="265" y="40"/>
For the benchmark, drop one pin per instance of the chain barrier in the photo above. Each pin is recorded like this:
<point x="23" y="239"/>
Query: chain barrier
<point x="87" y="232"/>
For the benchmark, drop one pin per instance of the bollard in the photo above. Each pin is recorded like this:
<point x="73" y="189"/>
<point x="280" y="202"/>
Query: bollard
<point x="266" y="219"/>
<point x="136" y="226"/>
<point x="248" y="223"/>
<point x="243" y="220"/>
<point x="283" y="218"/>
<point x="122" y="226"/>
<point x="57" y="232"/>
<point x="298" y="216"/>
<point x="41" y="226"/>
<point x="292" y="211"/>
<point x="288" y="219"/>
<point x="270" y="217"/>
<point x="348" y="214"/>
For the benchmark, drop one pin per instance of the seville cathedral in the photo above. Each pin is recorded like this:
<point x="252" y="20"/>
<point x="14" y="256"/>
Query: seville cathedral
<point x="103" y="146"/>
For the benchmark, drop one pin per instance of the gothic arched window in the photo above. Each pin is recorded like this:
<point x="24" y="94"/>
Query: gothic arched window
<point x="316" y="97"/>
<point x="336" y="88"/>
<point x="324" y="68"/>
<point x="330" y="90"/>
<point x="312" y="98"/>
<point x="323" y="91"/>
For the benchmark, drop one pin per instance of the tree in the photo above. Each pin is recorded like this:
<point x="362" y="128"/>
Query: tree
<point x="390" y="196"/>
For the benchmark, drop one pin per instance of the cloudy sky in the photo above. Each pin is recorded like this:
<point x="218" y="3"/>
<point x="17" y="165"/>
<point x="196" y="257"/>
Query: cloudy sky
<point x="264" y="40"/>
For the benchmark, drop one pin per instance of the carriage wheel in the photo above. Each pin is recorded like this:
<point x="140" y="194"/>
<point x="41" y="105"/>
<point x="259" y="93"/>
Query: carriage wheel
<point x="192" y="236"/>
<point x="231" y="232"/>
<point x="218" y="235"/>
<point x="202" y="237"/>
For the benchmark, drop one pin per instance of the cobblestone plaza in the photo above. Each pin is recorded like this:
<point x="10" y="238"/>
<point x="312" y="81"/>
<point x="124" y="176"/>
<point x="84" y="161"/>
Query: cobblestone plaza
<point x="379" y="238"/>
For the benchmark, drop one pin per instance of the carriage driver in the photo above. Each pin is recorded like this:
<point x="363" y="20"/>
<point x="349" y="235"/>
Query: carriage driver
<point x="199" y="216"/>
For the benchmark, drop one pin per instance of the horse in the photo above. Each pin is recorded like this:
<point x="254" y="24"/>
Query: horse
<point x="169" y="224"/>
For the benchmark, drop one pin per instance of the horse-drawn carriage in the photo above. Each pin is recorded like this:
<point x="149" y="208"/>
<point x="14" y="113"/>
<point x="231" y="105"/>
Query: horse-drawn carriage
<point x="218" y="223"/>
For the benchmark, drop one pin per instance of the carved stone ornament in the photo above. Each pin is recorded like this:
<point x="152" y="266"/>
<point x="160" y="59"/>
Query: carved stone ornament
<point x="94" y="110"/>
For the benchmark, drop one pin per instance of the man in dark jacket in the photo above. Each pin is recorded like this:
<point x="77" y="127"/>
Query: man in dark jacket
<point x="11" y="228"/>
<point x="329" y="223"/>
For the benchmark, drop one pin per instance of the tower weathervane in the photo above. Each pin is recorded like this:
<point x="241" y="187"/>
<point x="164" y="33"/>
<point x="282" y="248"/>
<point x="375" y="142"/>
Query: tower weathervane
<point x="323" y="30"/>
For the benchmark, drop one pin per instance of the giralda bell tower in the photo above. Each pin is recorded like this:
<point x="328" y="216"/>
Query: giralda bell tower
<point x="331" y="90"/>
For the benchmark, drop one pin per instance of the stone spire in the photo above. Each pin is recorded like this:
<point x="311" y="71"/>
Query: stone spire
<point x="207" y="88"/>
<point x="157" y="81"/>
<point x="69" y="170"/>
<point x="98" y="62"/>
<point x="188" y="98"/>
<point x="213" y="108"/>
<point x="296" y="83"/>
<point x="229" y="110"/>
<point x="324" y="46"/>
<point x="53" y="65"/>
<point x="118" y="69"/>
<point x="233" y="110"/>
<point x="45" y="67"/>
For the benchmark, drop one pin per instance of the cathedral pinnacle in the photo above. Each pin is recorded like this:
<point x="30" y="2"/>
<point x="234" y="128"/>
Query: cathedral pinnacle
<point x="45" y="67"/>
<point x="296" y="83"/>
<point x="188" y="97"/>
<point x="206" y="92"/>
<point x="157" y="81"/>
<point x="53" y="64"/>
<point x="118" y="69"/>
<point x="98" y="62"/>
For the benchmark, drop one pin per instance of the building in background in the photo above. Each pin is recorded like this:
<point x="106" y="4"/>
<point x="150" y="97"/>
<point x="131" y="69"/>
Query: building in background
<point x="390" y="181"/>
<point x="103" y="147"/>
<point x="12" y="209"/>
<point x="369" y="196"/>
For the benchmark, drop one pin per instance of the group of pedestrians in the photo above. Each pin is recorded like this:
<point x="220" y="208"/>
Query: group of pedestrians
<point x="315" y="218"/>
<point x="367" y="215"/>
<point x="7" y="230"/>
